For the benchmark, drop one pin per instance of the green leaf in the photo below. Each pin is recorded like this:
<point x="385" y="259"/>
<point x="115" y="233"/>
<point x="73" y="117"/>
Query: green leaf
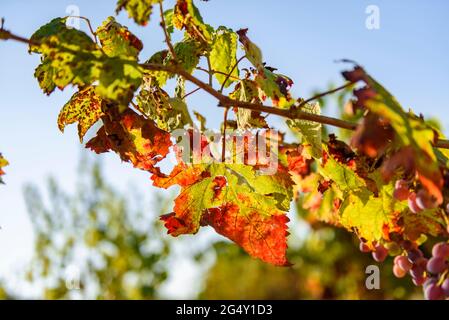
<point x="186" y="16"/>
<point x="168" y="113"/>
<point x="253" y="53"/>
<point x="188" y="54"/>
<point x="223" y="56"/>
<point x="138" y="10"/>
<point x="116" y="40"/>
<point x="44" y="74"/>
<point x="373" y="217"/>
<point x="71" y="57"/>
<point x="84" y="107"/>
<point x="346" y="179"/>
<point x="310" y="131"/>
<point x="168" y="17"/>
<point x="275" y="86"/>
<point x="160" y="77"/>
<point x="56" y="33"/>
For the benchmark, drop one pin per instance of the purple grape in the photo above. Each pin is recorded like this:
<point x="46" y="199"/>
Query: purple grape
<point x="424" y="200"/>
<point x="398" y="271"/>
<point x="413" y="206"/>
<point x="403" y="263"/>
<point x="436" y="265"/>
<point x="417" y="271"/>
<point x="418" y="281"/>
<point x="433" y="292"/>
<point x="364" y="247"/>
<point x="441" y="250"/>
<point x="445" y="287"/>
<point x="414" y="254"/>
<point x="429" y="281"/>
<point x="401" y="190"/>
<point x="380" y="253"/>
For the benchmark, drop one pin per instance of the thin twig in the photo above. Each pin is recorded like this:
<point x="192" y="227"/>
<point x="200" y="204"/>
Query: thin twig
<point x="191" y="92"/>
<point x="318" y="96"/>
<point x="167" y="36"/>
<point x="229" y="74"/>
<point x="218" y="72"/>
<point x="210" y="71"/>
<point x="88" y="24"/>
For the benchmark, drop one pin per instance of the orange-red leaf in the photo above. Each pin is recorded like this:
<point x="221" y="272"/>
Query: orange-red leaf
<point x="134" y="138"/>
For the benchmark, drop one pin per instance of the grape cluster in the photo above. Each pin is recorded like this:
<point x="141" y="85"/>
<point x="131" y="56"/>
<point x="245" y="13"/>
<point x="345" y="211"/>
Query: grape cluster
<point x="432" y="274"/>
<point x="417" y="201"/>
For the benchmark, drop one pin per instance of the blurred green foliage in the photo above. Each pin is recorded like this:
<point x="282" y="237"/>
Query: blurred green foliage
<point x="328" y="265"/>
<point x="95" y="243"/>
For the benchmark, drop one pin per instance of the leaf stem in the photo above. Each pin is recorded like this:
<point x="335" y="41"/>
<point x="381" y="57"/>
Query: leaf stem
<point x="88" y="24"/>
<point x="166" y="35"/>
<point x="229" y="74"/>
<point x="320" y="95"/>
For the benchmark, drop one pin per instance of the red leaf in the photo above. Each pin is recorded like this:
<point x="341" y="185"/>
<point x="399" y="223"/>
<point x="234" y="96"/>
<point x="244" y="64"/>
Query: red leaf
<point x="260" y="236"/>
<point x="134" y="138"/>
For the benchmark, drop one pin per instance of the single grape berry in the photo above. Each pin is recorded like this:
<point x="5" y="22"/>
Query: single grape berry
<point x="417" y="271"/>
<point x="414" y="254"/>
<point x="433" y="292"/>
<point x="436" y="265"/>
<point x="429" y="281"/>
<point x="425" y="201"/>
<point x="401" y="190"/>
<point x="398" y="271"/>
<point x="413" y="206"/>
<point x="445" y="287"/>
<point x="403" y="263"/>
<point x="364" y="247"/>
<point x="418" y="281"/>
<point x="380" y="253"/>
<point x="441" y="250"/>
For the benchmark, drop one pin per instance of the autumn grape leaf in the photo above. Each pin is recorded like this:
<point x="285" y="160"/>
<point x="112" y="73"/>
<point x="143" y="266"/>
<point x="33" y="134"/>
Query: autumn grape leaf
<point x="252" y="51"/>
<point x="3" y="163"/>
<point x="160" y="77"/>
<point x="373" y="216"/>
<point x="186" y="16"/>
<point x="276" y="87"/>
<point x="134" y="138"/>
<point x="247" y="90"/>
<point x="71" y="57"/>
<point x="83" y="107"/>
<point x="187" y="53"/>
<point x="44" y="74"/>
<point x="237" y="202"/>
<point x="344" y="177"/>
<point x="223" y="56"/>
<point x="168" y="113"/>
<point x="310" y="131"/>
<point x="116" y="40"/>
<point x="138" y="10"/>
<point x="414" y="134"/>
<point x="428" y="222"/>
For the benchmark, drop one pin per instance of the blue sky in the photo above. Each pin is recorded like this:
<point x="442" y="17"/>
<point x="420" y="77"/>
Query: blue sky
<point x="408" y="54"/>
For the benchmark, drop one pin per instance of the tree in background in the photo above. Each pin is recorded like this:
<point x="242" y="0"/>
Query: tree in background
<point x="97" y="241"/>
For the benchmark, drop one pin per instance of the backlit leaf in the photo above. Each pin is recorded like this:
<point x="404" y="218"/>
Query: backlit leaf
<point x="84" y="107"/>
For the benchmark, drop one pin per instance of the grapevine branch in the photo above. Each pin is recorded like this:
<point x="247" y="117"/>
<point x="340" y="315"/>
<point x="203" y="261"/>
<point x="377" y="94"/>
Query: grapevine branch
<point x="226" y="102"/>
